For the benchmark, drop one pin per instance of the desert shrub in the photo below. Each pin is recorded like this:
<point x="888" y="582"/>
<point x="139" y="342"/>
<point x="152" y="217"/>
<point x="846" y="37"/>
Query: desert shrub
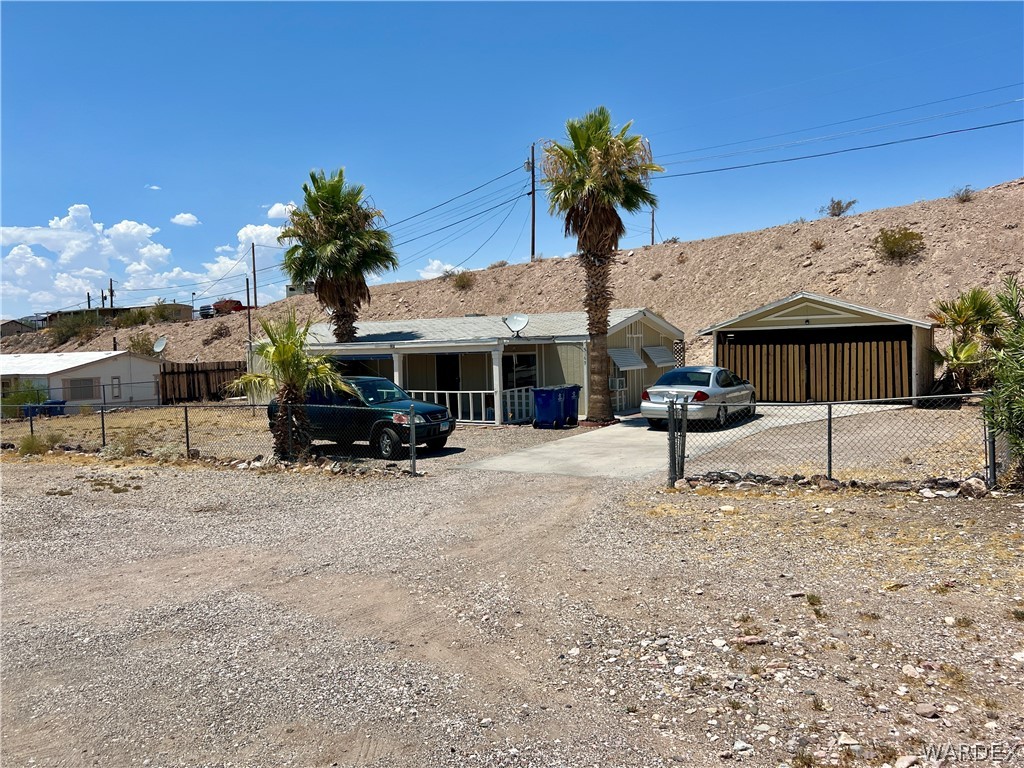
<point x="898" y="243"/>
<point x="1004" y="406"/>
<point x="220" y="331"/>
<point x="463" y="281"/>
<point x="124" y="443"/>
<point x="837" y="208"/>
<point x="85" y="410"/>
<point x="498" y="264"/>
<point x="31" y="445"/>
<point x="53" y="439"/>
<point x="23" y="393"/>
<point x="166" y="453"/>
<point x="141" y="343"/>
<point x="672" y="240"/>
<point x="83" y="327"/>
<point x="801" y="220"/>
<point x="963" y="194"/>
<point x="817" y="245"/>
<point x="162" y="312"/>
<point x="131" y="318"/>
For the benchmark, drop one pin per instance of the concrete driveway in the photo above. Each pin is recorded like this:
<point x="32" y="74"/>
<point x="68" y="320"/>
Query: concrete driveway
<point x="631" y="449"/>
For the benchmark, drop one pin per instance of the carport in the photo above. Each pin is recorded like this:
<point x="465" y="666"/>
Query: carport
<point x="807" y="347"/>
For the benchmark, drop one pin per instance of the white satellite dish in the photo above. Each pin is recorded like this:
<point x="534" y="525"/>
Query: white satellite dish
<point x="516" y="322"/>
<point x="159" y="345"/>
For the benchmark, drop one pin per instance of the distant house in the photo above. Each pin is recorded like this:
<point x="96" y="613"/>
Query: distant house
<point x="14" y="327"/>
<point x="484" y="372"/>
<point x="175" y="312"/>
<point x="298" y="290"/>
<point x="85" y="378"/>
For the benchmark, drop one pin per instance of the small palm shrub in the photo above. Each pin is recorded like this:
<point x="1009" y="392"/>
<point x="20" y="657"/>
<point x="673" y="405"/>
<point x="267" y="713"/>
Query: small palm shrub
<point x="897" y="244"/>
<point x="837" y="208"/>
<point x="963" y="194"/>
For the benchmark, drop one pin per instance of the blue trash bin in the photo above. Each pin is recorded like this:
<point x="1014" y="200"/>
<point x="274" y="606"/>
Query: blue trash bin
<point x="547" y="408"/>
<point x="571" y="404"/>
<point x="54" y="407"/>
<point x="32" y="410"/>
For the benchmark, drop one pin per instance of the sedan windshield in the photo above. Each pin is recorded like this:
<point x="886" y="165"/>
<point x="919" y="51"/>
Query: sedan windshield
<point x="684" y="378"/>
<point x="380" y="391"/>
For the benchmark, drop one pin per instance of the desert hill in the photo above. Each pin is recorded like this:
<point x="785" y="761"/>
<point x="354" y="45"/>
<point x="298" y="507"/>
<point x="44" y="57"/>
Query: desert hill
<point x="691" y="284"/>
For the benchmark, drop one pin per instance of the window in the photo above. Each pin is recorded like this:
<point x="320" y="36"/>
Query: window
<point x="518" y="370"/>
<point x="82" y="389"/>
<point x="115" y="387"/>
<point x="723" y="379"/>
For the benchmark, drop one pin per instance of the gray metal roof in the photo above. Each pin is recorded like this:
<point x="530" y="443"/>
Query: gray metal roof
<point x="48" y="363"/>
<point x="442" y="330"/>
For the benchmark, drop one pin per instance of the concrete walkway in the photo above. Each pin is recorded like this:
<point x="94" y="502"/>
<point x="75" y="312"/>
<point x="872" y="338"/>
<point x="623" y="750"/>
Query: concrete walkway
<point x="627" y="449"/>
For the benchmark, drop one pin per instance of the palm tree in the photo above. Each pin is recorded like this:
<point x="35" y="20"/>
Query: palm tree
<point x="975" y="321"/>
<point x="337" y="245"/>
<point x="596" y="172"/>
<point x="288" y="373"/>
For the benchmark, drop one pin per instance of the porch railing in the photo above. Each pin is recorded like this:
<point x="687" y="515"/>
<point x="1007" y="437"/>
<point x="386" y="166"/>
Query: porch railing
<point x="478" y="405"/>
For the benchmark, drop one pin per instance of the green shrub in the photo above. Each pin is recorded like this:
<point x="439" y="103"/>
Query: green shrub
<point x="31" y="445"/>
<point x="141" y="343"/>
<point x="53" y="439"/>
<point x="162" y="312"/>
<point x="898" y="243"/>
<point x="131" y="318"/>
<point x="83" y="327"/>
<point x="23" y="393"/>
<point x="963" y="194"/>
<point x="123" y="444"/>
<point x="837" y="208"/>
<point x="1004" y="406"/>
<point x="463" y="281"/>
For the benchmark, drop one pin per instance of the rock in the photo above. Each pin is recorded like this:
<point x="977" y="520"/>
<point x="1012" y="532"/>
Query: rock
<point x="846" y="740"/>
<point x="974" y="487"/>
<point x="896" y="485"/>
<point x="719" y="643"/>
<point x="730" y="476"/>
<point x="824" y="484"/>
<point x="748" y="640"/>
<point x="928" y="493"/>
<point x="727" y="508"/>
<point x="682" y="485"/>
<point x="741" y="746"/>
<point x="927" y="711"/>
<point x="905" y="761"/>
<point x="796" y="594"/>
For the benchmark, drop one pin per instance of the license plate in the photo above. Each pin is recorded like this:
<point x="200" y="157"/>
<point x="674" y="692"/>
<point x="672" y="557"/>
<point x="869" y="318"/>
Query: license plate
<point x="443" y="426"/>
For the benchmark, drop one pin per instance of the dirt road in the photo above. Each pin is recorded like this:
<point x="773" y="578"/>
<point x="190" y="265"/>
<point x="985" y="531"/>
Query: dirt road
<point x="186" y="616"/>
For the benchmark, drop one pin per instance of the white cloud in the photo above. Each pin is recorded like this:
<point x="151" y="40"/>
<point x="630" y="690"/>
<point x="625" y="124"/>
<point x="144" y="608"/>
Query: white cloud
<point x="154" y="187"/>
<point x="436" y="268"/>
<point x="281" y="210"/>
<point x="186" y="220"/>
<point x="224" y="249"/>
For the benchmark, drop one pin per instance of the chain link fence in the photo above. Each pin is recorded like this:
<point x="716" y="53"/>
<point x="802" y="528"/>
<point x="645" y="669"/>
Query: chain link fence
<point x="911" y="439"/>
<point x="231" y="431"/>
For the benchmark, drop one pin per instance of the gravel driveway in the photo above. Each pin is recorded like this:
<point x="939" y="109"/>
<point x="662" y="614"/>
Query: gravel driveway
<point x="173" y="616"/>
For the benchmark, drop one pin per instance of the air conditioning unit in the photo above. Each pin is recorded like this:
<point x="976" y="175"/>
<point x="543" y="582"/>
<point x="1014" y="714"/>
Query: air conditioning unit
<point x="616" y="384"/>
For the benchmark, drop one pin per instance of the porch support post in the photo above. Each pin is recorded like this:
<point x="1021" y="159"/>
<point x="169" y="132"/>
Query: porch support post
<point x="499" y="406"/>
<point x="397" y="359"/>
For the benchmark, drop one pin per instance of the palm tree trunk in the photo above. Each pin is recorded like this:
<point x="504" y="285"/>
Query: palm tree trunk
<point x="597" y="300"/>
<point x="344" y="322"/>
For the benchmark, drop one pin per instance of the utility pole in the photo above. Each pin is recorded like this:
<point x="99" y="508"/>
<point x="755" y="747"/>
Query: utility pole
<point x="248" y="310"/>
<point x="533" y="201"/>
<point x="111" y="293"/>
<point x="652" y="226"/>
<point x="255" y="301"/>
<point x="103" y="298"/>
<point x="88" y="300"/>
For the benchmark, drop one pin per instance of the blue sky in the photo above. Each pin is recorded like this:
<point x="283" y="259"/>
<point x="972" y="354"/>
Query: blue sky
<point x="151" y="143"/>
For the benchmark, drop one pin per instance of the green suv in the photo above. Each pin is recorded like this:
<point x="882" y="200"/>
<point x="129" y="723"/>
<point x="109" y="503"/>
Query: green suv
<point x="378" y="415"/>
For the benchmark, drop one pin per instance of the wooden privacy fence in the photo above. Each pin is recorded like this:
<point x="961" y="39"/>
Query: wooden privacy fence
<point x="190" y="382"/>
<point x="795" y="373"/>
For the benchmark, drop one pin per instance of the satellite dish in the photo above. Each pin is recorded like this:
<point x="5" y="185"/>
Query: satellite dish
<point x="159" y="345"/>
<point x="516" y="322"/>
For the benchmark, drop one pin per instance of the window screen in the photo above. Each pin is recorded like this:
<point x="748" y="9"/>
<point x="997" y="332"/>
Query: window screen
<point x="82" y="389"/>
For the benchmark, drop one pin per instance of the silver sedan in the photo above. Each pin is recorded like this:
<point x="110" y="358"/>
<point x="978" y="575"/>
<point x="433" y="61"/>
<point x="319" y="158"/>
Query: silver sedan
<point x="710" y="393"/>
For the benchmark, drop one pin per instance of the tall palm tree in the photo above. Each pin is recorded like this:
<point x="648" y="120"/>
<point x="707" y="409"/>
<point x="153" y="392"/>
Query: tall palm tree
<point x="288" y="373"/>
<point x="596" y="172"/>
<point x="337" y="245"/>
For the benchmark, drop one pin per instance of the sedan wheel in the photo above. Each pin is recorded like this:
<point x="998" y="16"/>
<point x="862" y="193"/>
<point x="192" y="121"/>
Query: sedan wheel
<point x="655" y="423"/>
<point x="722" y="417"/>
<point x="752" y="408"/>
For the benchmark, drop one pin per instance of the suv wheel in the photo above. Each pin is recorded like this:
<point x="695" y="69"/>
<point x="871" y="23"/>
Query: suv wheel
<point x="386" y="444"/>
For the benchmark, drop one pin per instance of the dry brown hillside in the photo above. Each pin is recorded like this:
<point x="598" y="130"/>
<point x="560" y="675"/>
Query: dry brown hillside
<point x="692" y="284"/>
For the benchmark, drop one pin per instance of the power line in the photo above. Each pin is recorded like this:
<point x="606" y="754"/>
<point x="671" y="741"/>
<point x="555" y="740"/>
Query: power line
<point x="842" y="122"/>
<point x="838" y="151"/>
<point x="448" y="226"/>
<point x="428" y="210"/>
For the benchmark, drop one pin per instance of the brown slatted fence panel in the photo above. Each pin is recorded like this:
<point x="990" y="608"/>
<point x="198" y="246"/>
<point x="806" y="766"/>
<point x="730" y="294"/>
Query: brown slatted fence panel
<point x="190" y="382"/>
<point x="904" y="369"/>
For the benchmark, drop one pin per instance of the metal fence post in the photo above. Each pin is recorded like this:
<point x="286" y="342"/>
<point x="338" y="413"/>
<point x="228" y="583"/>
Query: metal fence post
<point x="31" y="426"/>
<point x="412" y="438"/>
<point x="673" y="475"/>
<point x="681" y="458"/>
<point x="103" y="426"/>
<point x="188" y="444"/>
<point x="828" y="420"/>
<point x="990" y="443"/>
